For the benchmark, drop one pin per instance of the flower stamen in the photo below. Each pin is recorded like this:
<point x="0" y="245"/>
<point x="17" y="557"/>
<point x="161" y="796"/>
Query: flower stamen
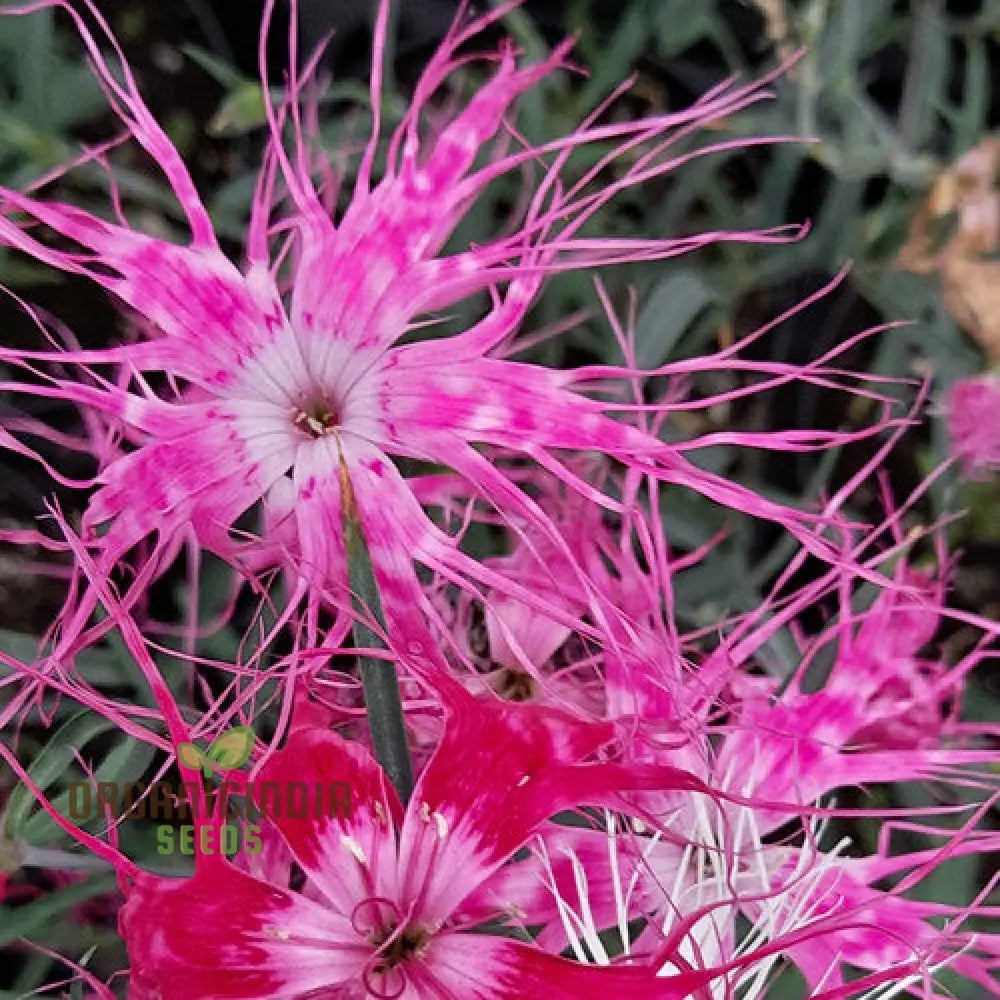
<point x="317" y="419"/>
<point x="396" y="944"/>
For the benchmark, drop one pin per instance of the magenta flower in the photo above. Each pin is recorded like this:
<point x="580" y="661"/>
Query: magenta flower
<point x="266" y="398"/>
<point x="432" y="911"/>
<point x="974" y="423"/>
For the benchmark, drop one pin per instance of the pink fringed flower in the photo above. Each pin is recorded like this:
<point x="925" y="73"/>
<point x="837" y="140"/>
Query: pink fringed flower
<point x="974" y="422"/>
<point x="266" y="397"/>
<point x="882" y="717"/>
<point x="781" y="757"/>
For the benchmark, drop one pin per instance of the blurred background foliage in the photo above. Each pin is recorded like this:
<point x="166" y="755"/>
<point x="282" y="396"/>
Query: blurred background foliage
<point x="883" y="98"/>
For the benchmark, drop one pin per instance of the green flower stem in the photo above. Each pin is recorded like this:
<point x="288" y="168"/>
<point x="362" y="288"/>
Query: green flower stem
<point x="378" y="676"/>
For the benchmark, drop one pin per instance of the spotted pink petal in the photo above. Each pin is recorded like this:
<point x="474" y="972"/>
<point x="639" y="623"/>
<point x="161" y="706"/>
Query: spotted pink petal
<point x="877" y="930"/>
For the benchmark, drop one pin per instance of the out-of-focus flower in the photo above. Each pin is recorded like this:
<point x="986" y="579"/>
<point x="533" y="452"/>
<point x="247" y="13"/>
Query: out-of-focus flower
<point x="974" y="422"/>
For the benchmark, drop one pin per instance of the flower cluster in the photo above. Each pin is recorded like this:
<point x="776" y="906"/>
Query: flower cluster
<point x="608" y="799"/>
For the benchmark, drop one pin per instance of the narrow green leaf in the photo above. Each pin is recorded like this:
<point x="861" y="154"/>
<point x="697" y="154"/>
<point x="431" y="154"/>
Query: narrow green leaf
<point x="676" y="302"/>
<point x="26" y="921"/>
<point x="241" y="111"/>
<point x="125" y="762"/>
<point x="378" y="677"/>
<point x="219" y="70"/>
<point x="50" y="764"/>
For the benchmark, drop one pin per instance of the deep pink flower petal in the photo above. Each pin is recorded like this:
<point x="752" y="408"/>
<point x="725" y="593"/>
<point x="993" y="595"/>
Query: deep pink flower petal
<point x="387" y="234"/>
<point x="501" y="770"/>
<point x="531" y="409"/>
<point x="348" y="858"/>
<point x="318" y="517"/>
<point x="203" y="473"/>
<point x="225" y="935"/>
<point x="528" y="891"/>
<point x="878" y="930"/>
<point x="398" y="533"/>
<point x="477" y="967"/>
<point x="899" y="695"/>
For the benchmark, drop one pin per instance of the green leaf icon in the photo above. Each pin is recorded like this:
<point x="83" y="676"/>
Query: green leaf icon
<point x="190" y="756"/>
<point x="232" y="749"/>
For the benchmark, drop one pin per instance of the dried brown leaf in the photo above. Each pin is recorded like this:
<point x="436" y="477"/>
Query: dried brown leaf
<point x="969" y="192"/>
